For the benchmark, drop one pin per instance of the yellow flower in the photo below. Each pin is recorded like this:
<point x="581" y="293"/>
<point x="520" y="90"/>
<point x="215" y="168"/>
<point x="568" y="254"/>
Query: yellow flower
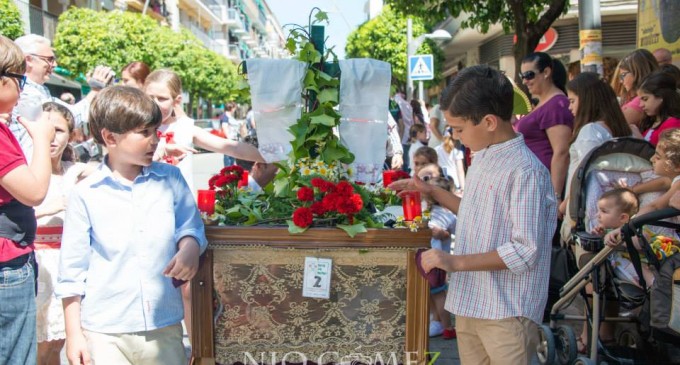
<point x="418" y="219"/>
<point x="413" y="226"/>
<point x="426" y="214"/>
<point x="350" y="171"/>
<point x="305" y="171"/>
<point x="400" y="219"/>
<point x="323" y="171"/>
<point x="320" y="163"/>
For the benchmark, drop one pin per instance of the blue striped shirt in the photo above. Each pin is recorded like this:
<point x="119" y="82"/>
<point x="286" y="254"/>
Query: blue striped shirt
<point x="510" y="207"/>
<point x="117" y="240"/>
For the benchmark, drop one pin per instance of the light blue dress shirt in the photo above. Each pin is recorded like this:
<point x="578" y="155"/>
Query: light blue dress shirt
<point x="117" y="240"/>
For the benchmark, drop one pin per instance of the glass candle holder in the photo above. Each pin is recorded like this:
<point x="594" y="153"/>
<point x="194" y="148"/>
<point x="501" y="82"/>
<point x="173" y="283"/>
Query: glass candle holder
<point x="388" y="177"/>
<point x="410" y="201"/>
<point x="206" y="201"/>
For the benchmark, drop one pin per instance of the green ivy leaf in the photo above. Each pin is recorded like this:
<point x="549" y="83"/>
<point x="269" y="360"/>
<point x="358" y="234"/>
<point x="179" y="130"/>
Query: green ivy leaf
<point x="323" y="120"/>
<point x="291" y="45"/>
<point x="292" y="228"/>
<point x="352" y="230"/>
<point x="280" y="187"/>
<point x="320" y="17"/>
<point x="327" y="95"/>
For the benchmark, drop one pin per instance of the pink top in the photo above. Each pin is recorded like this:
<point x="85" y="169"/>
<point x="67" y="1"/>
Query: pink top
<point x="652" y="134"/>
<point x="633" y="104"/>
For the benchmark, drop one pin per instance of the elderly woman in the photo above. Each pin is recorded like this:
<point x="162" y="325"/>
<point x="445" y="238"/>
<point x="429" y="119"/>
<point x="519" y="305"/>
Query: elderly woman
<point x="548" y="128"/>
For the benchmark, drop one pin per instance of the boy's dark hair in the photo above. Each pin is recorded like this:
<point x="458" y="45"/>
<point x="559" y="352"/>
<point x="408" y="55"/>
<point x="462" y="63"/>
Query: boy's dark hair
<point x="121" y="109"/>
<point x="624" y="198"/>
<point x="478" y="91"/>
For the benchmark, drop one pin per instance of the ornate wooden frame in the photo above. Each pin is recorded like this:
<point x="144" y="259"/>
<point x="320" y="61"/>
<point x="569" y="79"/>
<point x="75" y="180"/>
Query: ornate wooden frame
<point x="417" y="316"/>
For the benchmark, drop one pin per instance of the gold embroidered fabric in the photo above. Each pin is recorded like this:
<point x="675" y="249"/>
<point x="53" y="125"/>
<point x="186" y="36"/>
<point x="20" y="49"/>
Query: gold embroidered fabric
<point x="261" y="313"/>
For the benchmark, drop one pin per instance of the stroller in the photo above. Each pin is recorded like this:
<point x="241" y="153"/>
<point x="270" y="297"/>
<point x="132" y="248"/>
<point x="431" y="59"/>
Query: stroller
<point x="619" y="159"/>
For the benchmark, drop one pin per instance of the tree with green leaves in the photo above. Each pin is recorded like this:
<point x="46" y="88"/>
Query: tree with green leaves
<point x="529" y="19"/>
<point x="11" y="25"/>
<point x="384" y="38"/>
<point x="86" y="38"/>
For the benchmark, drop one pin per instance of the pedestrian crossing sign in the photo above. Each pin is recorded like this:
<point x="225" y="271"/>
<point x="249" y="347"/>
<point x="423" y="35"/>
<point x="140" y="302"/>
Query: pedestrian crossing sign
<point x="422" y="67"/>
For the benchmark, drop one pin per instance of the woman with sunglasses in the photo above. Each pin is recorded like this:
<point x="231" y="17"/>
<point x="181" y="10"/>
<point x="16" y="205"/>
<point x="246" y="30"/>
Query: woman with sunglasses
<point x="632" y="70"/>
<point x="547" y="129"/>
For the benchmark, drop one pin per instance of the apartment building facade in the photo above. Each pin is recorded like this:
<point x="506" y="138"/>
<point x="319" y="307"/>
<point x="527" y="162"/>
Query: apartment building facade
<point x="235" y="29"/>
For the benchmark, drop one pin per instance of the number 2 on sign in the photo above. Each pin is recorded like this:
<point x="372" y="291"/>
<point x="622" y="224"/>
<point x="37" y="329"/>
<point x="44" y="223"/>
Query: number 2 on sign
<point x="317" y="278"/>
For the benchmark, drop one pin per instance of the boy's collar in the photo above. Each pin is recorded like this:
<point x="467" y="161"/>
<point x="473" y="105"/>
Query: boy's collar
<point x="104" y="172"/>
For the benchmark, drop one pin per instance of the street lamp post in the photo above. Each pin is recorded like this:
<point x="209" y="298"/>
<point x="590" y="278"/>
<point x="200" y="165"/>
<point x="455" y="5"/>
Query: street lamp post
<point x="412" y="46"/>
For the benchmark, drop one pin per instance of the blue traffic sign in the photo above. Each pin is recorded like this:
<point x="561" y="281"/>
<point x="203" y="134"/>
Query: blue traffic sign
<point x="422" y="67"/>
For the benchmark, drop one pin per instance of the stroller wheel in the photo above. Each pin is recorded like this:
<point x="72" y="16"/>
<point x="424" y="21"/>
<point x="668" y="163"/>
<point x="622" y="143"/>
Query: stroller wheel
<point x="582" y="360"/>
<point x="566" y="348"/>
<point x="630" y="339"/>
<point x="546" y="346"/>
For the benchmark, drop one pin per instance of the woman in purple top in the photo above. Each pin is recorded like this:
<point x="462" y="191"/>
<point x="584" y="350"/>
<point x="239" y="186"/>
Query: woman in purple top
<point x="547" y="129"/>
<point x="633" y="69"/>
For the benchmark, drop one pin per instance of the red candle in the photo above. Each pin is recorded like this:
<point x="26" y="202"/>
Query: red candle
<point x="388" y="177"/>
<point x="243" y="183"/>
<point x="206" y="201"/>
<point x="410" y="201"/>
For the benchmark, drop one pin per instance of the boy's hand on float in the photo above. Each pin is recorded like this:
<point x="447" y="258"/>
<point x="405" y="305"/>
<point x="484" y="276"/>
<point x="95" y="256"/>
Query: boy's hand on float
<point x="440" y="234"/>
<point x="184" y="264"/>
<point x="437" y="258"/>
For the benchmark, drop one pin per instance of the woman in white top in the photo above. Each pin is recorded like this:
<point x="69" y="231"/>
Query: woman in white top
<point x="597" y="119"/>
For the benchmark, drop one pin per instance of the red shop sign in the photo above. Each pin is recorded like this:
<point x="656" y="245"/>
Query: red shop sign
<point x="547" y="41"/>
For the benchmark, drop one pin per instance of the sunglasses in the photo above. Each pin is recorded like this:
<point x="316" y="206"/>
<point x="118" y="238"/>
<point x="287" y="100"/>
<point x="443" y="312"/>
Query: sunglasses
<point x="529" y="75"/>
<point x="49" y="59"/>
<point x="21" y="79"/>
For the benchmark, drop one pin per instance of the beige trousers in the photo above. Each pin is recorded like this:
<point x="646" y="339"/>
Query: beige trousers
<point x="158" y="347"/>
<point x="507" y="341"/>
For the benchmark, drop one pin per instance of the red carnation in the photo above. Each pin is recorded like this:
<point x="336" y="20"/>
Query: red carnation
<point x="357" y="202"/>
<point x="318" y="208"/>
<point x="221" y="181"/>
<point x="331" y="201"/>
<point x="318" y="182"/>
<point x="305" y="194"/>
<point x="302" y="217"/>
<point x="344" y="188"/>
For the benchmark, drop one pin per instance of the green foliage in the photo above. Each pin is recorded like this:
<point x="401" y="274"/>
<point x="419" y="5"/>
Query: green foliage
<point x="86" y="38"/>
<point x="384" y="38"/>
<point x="11" y="25"/>
<point x="529" y="19"/>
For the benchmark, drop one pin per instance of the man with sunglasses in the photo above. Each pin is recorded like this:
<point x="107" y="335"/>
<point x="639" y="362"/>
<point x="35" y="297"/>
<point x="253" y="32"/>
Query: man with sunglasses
<point x="40" y="63"/>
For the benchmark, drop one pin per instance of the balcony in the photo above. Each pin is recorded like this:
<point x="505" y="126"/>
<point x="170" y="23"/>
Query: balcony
<point x="202" y="35"/>
<point x="229" y="51"/>
<point x="42" y="22"/>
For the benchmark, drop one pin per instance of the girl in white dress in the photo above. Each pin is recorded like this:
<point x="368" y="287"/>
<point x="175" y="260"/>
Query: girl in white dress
<point x="178" y="135"/>
<point x="50" y="217"/>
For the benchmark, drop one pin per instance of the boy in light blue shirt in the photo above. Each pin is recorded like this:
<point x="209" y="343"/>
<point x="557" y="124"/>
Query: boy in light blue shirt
<point x="130" y="228"/>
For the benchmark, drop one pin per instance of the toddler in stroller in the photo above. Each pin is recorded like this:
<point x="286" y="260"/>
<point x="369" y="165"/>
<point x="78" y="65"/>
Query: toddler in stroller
<point x="624" y="159"/>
